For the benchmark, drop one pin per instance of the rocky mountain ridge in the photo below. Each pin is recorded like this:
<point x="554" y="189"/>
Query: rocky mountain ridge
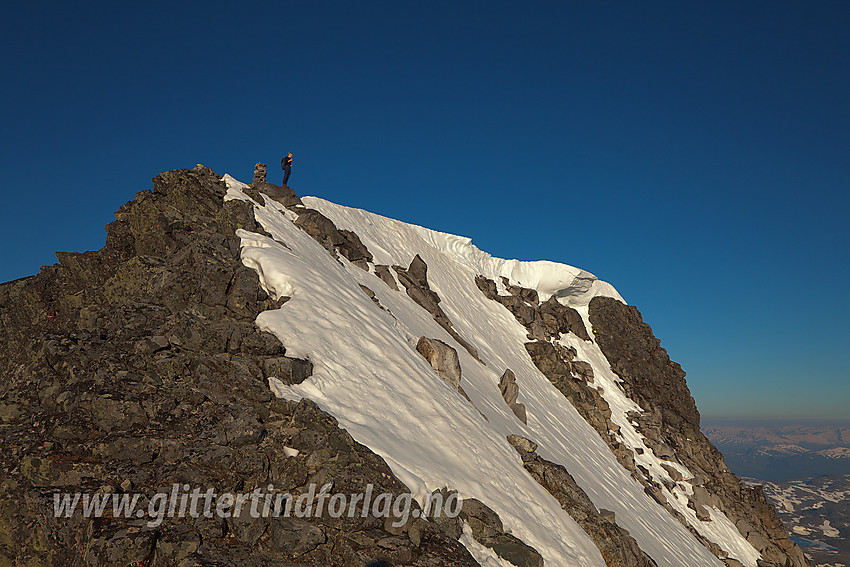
<point x="141" y="365"/>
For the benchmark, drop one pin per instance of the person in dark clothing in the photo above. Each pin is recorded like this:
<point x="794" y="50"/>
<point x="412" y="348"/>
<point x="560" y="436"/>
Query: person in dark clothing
<point x="286" y="164"/>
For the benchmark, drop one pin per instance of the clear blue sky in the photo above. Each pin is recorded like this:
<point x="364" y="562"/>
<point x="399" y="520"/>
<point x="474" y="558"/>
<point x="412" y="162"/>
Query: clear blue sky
<point x="694" y="154"/>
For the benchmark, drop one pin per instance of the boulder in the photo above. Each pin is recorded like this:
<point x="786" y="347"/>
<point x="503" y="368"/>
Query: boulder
<point x="415" y="281"/>
<point x="510" y="390"/>
<point x="442" y="358"/>
<point x="523" y="445"/>
<point x="508" y="387"/>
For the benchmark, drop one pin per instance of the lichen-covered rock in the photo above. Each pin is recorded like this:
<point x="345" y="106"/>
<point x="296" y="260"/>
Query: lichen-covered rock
<point x="487" y="529"/>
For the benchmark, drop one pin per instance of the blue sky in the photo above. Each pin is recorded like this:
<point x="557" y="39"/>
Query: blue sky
<point x="694" y="154"/>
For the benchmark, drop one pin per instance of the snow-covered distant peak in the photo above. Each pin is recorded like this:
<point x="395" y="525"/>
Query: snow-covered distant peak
<point x="569" y="284"/>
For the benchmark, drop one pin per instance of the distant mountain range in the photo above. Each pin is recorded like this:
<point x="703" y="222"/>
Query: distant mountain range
<point x="780" y="451"/>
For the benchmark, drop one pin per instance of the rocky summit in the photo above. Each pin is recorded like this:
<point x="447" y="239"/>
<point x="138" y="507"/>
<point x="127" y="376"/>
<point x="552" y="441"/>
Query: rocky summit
<point x="239" y="368"/>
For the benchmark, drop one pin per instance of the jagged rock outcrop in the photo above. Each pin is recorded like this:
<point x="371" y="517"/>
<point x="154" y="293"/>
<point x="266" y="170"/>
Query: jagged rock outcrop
<point x="510" y="391"/>
<point x="386" y="276"/>
<point x="318" y="226"/>
<point x="487" y="529"/>
<point x="670" y="423"/>
<point x="573" y="378"/>
<point x="545" y="320"/>
<point x="323" y="230"/>
<point x="282" y="194"/>
<point x="415" y="280"/>
<point x="617" y="547"/>
<point x="138" y="366"/>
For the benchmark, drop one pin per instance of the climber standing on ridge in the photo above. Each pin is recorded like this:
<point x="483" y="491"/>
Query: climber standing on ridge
<point x="286" y="165"/>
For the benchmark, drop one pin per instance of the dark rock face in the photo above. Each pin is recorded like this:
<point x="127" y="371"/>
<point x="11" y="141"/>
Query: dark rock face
<point x="325" y="232"/>
<point x="670" y="424"/>
<point x="617" y="546"/>
<point x="487" y="529"/>
<point x="572" y="379"/>
<point x="634" y="352"/>
<point x="544" y="321"/>
<point x="138" y="366"/>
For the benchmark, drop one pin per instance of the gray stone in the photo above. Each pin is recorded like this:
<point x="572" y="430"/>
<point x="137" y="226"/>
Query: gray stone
<point x="259" y="173"/>
<point x="702" y="497"/>
<point x="287" y="370"/>
<point x="744" y="527"/>
<point x="482" y="519"/>
<point x="442" y="358"/>
<point x="515" y="551"/>
<point x="520" y="412"/>
<point x="757" y="540"/>
<point x="509" y="389"/>
<point x="673" y="472"/>
<point x="295" y="536"/>
<point x="383" y="272"/>
<point x="522" y="444"/>
<point x="608" y="515"/>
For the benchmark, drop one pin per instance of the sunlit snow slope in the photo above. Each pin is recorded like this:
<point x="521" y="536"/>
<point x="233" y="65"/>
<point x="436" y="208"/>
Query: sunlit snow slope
<point x="368" y="374"/>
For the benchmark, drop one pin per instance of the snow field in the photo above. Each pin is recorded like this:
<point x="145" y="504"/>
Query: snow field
<point x="368" y="374"/>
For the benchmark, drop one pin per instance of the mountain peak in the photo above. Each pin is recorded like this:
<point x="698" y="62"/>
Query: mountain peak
<point x="236" y="336"/>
